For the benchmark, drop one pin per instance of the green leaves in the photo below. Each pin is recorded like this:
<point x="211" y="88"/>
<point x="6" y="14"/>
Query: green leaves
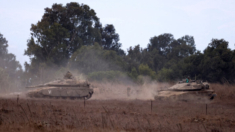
<point x="146" y="71"/>
<point x="3" y="45"/>
<point x="64" y="30"/>
<point x="215" y="65"/>
<point x="72" y="36"/>
<point x="10" y="69"/>
<point x="61" y="31"/>
<point x="165" y="75"/>
<point x="162" y="59"/>
<point x="110" y="38"/>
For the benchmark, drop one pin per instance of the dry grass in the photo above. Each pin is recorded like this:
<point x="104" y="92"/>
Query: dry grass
<point x="224" y="92"/>
<point x="119" y="115"/>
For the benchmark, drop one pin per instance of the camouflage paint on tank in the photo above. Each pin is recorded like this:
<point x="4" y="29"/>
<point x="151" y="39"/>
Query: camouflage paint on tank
<point x="68" y="87"/>
<point x="182" y="88"/>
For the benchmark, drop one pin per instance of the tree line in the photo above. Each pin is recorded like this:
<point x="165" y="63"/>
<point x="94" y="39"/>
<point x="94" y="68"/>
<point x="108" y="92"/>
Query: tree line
<point x="71" y="37"/>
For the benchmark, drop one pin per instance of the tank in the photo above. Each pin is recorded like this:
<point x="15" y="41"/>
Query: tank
<point x="183" y="90"/>
<point x="69" y="87"/>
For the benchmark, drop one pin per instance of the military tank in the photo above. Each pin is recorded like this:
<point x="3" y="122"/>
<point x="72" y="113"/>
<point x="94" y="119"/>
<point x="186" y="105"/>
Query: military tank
<point x="185" y="90"/>
<point x="68" y="87"/>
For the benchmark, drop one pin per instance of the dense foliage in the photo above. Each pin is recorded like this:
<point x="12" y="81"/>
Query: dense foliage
<point x="62" y="31"/>
<point x="217" y="64"/>
<point x="10" y="69"/>
<point x="71" y="37"/>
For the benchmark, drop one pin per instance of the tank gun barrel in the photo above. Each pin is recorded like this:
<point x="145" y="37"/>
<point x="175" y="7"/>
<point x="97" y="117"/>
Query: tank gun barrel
<point x="35" y="86"/>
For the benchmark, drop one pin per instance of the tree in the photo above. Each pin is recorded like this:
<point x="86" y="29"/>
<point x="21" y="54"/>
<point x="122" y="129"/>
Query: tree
<point x="7" y="60"/>
<point x="146" y="71"/>
<point x="191" y="65"/>
<point x="161" y="43"/>
<point x="181" y="48"/>
<point x="134" y="57"/>
<point x="10" y="69"/>
<point x="61" y="31"/>
<point x="3" y="46"/>
<point x="133" y="74"/>
<point x="218" y="62"/>
<point x="164" y="49"/>
<point x="165" y="75"/>
<point x="110" y="39"/>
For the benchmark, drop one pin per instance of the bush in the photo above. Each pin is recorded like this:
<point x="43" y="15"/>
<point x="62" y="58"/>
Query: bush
<point x="146" y="71"/>
<point x="165" y="75"/>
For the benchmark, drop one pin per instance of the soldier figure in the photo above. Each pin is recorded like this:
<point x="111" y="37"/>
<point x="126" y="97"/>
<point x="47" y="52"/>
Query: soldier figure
<point x="128" y="91"/>
<point x="213" y="96"/>
<point x="68" y="75"/>
<point x="187" y="79"/>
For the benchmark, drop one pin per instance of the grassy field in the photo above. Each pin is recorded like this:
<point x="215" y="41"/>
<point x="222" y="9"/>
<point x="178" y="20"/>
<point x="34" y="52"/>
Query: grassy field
<point x="120" y="115"/>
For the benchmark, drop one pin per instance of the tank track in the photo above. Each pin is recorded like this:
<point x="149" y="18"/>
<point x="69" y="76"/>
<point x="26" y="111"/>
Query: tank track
<point x="40" y="95"/>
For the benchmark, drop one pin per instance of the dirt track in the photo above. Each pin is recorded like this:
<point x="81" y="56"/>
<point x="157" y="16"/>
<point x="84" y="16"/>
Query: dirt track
<point x="114" y="115"/>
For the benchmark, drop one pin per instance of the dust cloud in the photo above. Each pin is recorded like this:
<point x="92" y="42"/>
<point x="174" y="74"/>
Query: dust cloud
<point x="103" y="90"/>
<point x="117" y="91"/>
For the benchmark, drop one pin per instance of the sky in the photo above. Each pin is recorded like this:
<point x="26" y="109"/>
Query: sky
<point x="136" y="21"/>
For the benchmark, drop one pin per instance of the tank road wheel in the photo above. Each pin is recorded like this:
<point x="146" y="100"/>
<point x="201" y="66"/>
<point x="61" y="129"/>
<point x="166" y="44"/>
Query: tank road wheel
<point x="37" y="95"/>
<point x="64" y="97"/>
<point x="80" y="98"/>
<point x="57" y="97"/>
<point x="43" y="96"/>
<point x="30" y="95"/>
<point x="72" y="98"/>
<point x="88" y="96"/>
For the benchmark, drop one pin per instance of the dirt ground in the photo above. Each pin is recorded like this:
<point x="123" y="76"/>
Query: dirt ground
<point x="118" y="115"/>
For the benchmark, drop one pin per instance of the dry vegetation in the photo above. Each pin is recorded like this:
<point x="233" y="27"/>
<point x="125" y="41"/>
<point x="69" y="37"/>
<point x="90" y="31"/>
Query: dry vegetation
<point x="119" y="115"/>
<point x="225" y="93"/>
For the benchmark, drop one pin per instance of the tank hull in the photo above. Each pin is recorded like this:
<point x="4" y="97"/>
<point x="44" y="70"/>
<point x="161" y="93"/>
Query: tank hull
<point x="61" y="92"/>
<point x="68" y="87"/>
<point x="185" y="90"/>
